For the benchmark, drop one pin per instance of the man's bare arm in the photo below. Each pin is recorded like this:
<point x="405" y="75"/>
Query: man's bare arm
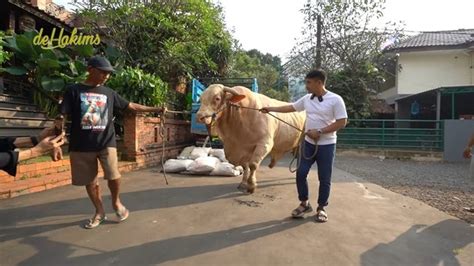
<point x="135" y="107"/>
<point x="339" y="124"/>
<point x="279" y="109"/>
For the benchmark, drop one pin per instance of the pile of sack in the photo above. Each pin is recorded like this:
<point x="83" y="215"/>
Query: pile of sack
<point x="202" y="161"/>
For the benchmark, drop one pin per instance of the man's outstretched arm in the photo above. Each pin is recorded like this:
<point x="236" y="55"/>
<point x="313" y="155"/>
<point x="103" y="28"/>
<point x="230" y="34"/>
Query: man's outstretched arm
<point x="135" y="107"/>
<point x="279" y="109"/>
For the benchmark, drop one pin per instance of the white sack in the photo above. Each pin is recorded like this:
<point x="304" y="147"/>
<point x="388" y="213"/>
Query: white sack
<point x="218" y="153"/>
<point x="184" y="155"/>
<point x="203" y="165"/>
<point x="176" y="166"/>
<point x="225" y="169"/>
<point x="199" y="152"/>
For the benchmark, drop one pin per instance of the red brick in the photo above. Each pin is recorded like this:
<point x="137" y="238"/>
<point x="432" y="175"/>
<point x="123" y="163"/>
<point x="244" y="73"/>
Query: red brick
<point x="6" y="179"/>
<point x="58" y="184"/>
<point x="13" y="187"/>
<point x="42" y="165"/>
<point x="27" y="183"/>
<point x="54" y="178"/>
<point x="37" y="189"/>
<point x="28" y="167"/>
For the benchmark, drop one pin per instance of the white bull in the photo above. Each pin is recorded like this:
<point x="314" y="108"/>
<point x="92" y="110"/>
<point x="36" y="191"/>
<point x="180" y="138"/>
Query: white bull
<point x="249" y="135"/>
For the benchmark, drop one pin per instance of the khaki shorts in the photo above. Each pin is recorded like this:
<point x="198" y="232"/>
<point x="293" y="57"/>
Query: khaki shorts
<point x="84" y="166"/>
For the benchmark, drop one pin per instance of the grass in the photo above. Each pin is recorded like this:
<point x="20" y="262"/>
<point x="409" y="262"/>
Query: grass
<point x="41" y="159"/>
<point x="24" y="177"/>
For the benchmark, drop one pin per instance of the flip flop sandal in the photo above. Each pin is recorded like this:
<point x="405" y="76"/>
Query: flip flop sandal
<point x="468" y="209"/>
<point x="95" y="222"/>
<point x="122" y="214"/>
<point x="321" y="216"/>
<point x="301" y="211"/>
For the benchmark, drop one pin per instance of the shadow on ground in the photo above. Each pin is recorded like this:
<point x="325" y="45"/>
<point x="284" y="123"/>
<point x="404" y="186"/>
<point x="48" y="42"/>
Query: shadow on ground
<point x="151" y="199"/>
<point x="422" y="245"/>
<point x="159" y="251"/>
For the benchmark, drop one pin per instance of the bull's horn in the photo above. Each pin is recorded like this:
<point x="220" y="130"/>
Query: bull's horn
<point x="235" y="96"/>
<point x="231" y="90"/>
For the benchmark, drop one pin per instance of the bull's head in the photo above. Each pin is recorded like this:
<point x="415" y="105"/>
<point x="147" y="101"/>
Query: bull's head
<point x="214" y="99"/>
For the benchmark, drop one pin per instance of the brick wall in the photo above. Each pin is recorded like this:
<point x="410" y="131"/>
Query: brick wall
<point x="143" y="142"/>
<point x="141" y="147"/>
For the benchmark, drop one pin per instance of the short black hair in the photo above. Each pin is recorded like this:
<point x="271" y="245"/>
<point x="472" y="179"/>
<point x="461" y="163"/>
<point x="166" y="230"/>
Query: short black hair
<point x="318" y="74"/>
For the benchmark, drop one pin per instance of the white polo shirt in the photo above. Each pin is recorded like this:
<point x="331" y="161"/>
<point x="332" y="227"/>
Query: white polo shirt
<point x="321" y="114"/>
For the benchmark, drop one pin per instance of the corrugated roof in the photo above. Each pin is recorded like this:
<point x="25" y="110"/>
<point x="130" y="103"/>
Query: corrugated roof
<point x="51" y="9"/>
<point x="437" y="39"/>
<point x="60" y="13"/>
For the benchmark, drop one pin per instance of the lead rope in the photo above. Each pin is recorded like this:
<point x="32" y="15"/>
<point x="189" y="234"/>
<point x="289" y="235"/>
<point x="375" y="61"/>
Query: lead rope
<point x="301" y="154"/>
<point x="163" y="140"/>
<point x="162" y="135"/>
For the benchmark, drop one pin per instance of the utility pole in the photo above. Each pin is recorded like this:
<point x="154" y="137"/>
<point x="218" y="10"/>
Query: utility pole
<point x="318" y="42"/>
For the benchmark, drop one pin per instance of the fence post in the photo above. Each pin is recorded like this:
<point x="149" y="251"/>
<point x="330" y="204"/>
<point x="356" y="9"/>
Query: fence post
<point x="383" y="134"/>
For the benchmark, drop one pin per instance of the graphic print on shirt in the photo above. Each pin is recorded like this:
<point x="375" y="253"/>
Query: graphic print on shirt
<point x="93" y="111"/>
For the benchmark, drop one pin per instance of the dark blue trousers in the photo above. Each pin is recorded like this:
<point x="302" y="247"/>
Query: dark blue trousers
<point x="324" y="159"/>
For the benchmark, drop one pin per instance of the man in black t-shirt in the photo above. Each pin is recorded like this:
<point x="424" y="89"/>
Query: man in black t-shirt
<point x="91" y="106"/>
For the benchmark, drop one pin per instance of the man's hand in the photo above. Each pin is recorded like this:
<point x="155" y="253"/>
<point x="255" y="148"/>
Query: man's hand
<point x="47" y="132"/>
<point x="467" y="153"/>
<point x="55" y="130"/>
<point x="48" y="144"/>
<point x="278" y="109"/>
<point x="57" y="154"/>
<point x="313" y="134"/>
<point x="266" y="110"/>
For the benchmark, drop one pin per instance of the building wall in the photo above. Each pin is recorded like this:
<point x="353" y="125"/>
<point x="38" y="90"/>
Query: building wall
<point x="456" y="136"/>
<point x="143" y="141"/>
<point x="422" y="71"/>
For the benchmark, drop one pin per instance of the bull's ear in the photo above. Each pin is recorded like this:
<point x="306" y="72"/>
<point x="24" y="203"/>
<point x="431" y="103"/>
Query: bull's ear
<point x="232" y="95"/>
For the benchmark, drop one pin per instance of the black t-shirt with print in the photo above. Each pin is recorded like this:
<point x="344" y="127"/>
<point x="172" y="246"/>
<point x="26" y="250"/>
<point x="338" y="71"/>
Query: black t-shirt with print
<point x="91" y="110"/>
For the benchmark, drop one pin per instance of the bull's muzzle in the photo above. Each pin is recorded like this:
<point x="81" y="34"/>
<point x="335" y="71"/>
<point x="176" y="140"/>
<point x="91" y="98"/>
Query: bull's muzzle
<point x="203" y="118"/>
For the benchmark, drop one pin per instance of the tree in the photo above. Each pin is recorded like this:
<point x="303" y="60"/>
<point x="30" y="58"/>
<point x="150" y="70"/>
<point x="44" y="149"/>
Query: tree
<point x="4" y="55"/>
<point x="172" y="38"/>
<point x="350" y="48"/>
<point x="265" y="67"/>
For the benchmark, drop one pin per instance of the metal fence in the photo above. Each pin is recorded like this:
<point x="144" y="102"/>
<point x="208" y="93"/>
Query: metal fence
<point x="425" y="135"/>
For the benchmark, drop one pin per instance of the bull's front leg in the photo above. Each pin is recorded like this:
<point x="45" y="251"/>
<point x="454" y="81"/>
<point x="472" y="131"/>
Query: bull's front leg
<point x="258" y="155"/>
<point x="243" y="185"/>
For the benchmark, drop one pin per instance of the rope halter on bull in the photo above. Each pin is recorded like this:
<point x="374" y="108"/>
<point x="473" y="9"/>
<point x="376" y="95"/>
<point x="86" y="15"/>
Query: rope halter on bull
<point x="233" y="102"/>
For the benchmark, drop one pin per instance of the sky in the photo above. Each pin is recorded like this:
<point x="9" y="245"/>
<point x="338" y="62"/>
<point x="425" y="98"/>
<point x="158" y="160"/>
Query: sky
<point x="272" y="26"/>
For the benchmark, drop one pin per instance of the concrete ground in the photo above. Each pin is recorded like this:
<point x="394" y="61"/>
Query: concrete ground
<point x="205" y="221"/>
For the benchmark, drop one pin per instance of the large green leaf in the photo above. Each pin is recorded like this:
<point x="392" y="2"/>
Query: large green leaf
<point x="30" y="35"/>
<point x="84" y="50"/>
<point x="47" y="64"/>
<point x="25" y="46"/>
<point x="50" y="54"/>
<point x="10" y="42"/>
<point x="17" y="71"/>
<point x="112" y="53"/>
<point x="80" y="66"/>
<point x="52" y="83"/>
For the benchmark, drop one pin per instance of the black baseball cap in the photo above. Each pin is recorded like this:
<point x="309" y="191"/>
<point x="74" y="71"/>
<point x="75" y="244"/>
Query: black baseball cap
<point x="101" y="63"/>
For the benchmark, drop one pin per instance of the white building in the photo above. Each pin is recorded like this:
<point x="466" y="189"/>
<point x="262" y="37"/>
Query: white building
<point x="432" y="60"/>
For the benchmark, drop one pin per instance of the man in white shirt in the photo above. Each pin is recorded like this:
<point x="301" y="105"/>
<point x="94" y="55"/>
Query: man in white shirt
<point x="325" y="114"/>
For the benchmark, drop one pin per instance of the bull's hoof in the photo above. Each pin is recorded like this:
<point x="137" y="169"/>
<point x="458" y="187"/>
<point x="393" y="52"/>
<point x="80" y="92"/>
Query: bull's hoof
<point x="251" y="190"/>
<point x="242" y="187"/>
<point x="272" y="164"/>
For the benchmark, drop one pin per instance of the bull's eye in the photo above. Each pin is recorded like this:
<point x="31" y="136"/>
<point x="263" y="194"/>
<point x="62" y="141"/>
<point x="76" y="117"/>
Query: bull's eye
<point x="218" y="99"/>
